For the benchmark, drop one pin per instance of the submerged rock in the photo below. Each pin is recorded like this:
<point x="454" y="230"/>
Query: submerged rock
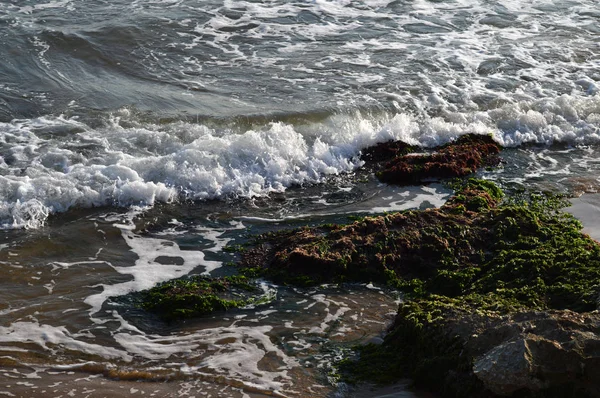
<point x="200" y="295"/>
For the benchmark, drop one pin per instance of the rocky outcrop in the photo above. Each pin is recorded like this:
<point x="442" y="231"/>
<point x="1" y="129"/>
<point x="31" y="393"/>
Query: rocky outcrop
<point x="378" y="249"/>
<point x="539" y="352"/>
<point x="400" y="164"/>
<point x="473" y="353"/>
<point x="498" y="295"/>
<point x="524" y="354"/>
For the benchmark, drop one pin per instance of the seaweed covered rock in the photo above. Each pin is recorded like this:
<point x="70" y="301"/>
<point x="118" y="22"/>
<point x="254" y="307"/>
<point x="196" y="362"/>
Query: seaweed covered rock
<point x="484" y="281"/>
<point x="412" y="244"/>
<point x="456" y="159"/>
<point x="386" y="151"/>
<point x="473" y="353"/>
<point x="199" y="295"/>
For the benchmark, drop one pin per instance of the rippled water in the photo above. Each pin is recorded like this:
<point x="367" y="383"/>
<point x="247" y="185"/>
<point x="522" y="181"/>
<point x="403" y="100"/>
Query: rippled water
<point x="137" y="138"/>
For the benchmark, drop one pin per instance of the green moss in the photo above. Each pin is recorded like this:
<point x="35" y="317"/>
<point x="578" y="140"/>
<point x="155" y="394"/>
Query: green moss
<point x="199" y="295"/>
<point x="526" y="255"/>
<point x="479" y="254"/>
<point x="486" y="186"/>
<point x="252" y="272"/>
<point x="234" y="249"/>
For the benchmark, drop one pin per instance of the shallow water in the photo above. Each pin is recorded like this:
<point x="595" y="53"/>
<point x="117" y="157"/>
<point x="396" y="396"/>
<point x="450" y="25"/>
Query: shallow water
<point x="587" y="209"/>
<point x="69" y="326"/>
<point x="138" y="138"/>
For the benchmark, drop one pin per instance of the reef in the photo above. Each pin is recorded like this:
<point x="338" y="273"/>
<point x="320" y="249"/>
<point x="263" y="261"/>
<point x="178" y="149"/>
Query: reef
<point x="200" y="295"/>
<point x="497" y="292"/>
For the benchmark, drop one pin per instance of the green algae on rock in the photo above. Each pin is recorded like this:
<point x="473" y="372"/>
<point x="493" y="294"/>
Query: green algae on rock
<point x="410" y="244"/>
<point x="536" y="259"/>
<point x="199" y="295"/>
<point x="472" y="265"/>
<point x="526" y="251"/>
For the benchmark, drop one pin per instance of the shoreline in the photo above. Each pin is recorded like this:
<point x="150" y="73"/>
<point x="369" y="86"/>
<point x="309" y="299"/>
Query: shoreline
<point x="332" y="245"/>
<point x="478" y="263"/>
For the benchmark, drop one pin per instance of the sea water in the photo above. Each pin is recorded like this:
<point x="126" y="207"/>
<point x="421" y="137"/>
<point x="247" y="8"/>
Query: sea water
<point x="138" y="138"/>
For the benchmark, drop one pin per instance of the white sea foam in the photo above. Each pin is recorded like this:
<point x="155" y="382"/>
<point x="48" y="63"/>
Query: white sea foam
<point x="147" y="270"/>
<point x="233" y="351"/>
<point x="517" y="71"/>
<point x="340" y="309"/>
<point x="47" y="336"/>
<point x="142" y="165"/>
<point x="240" y="358"/>
<point x="115" y="165"/>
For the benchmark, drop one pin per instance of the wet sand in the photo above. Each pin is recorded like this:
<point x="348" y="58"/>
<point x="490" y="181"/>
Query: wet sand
<point x="587" y="210"/>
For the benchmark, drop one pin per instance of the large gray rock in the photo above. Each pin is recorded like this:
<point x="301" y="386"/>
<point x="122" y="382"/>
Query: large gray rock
<point x="536" y="351"/>
<point x="507" y="368"/>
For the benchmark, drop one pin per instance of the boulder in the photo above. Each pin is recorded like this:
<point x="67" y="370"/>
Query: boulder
<point x="539" y="352"/>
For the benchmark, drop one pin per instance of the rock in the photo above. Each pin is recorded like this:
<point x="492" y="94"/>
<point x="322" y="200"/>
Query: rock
<point x="507" y="368"/>
<point x="539" y="352"/>
<point x="456" y="159"/>
<point x="467" y="353"/>
<point x="199" y="295"/>
<point x="499" y="297"/>
<point x="387" y="151"/>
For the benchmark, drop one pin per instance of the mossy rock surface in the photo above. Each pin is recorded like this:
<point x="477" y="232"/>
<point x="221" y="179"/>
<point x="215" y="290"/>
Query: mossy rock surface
<point x="199" y="295"/>
<point x="479" y="258"/>
<point x="518" y="254"/>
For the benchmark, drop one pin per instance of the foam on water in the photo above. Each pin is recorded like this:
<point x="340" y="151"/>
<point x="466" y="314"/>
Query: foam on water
<point x="419" y="71"/>
<point x="52" y="164"/>
<point x="267" y="350"/>
<point x="148" y="270"/>
<point x="129" y="166"/>
<point x="240" y="356"/>
<point x="270" y="349"/>
<point x="49" y="336"/>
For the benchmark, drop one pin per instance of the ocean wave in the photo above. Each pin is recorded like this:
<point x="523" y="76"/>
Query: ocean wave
<point x="52" y="164"/>
<point x="183" y="56"/>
